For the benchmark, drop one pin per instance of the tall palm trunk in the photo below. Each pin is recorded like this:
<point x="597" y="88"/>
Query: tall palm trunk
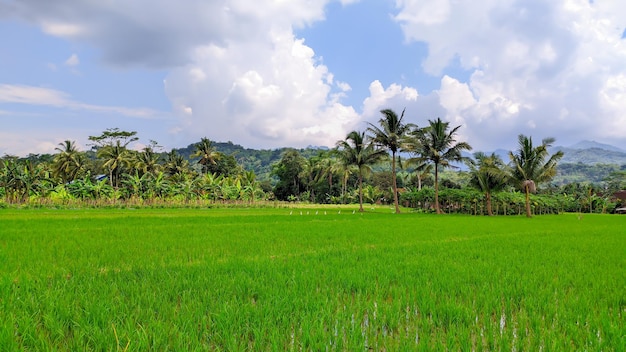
<point x="344" y="188"/>
<point x="527" y="189"/>
<point x="488" y="196"/>
<point x="395" y="184"/>
<point x="360" y="192"/>
<point x="437" y="208"/>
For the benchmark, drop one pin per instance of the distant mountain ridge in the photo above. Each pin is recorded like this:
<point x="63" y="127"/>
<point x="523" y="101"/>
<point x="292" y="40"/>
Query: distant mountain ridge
<point x="587" y="155"/>
<point x="596" y="153"/>
<point x="595" y="145"/>
<point x="586" y="152"/>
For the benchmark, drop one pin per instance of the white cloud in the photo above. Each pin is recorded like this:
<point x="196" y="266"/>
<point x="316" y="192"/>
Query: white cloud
<point x="237" y="71"/>
<point x="546" y="68"/>
<point x="73" y="60"/>
<point x="279" y="97"/>
<point x="424" y="12"/>
<point x="162" y="33"/>
<point x="35" y="142"/>
<point x="62" y="29"/>
<point x="345" y="87"/>
<point x="455" y="96"/>
<point x="380" y="97"/>
<point x="29" y="95"/>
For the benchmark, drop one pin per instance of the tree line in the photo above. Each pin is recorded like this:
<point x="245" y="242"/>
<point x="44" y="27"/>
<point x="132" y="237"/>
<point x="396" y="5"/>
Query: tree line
<point x="390" y="162"/>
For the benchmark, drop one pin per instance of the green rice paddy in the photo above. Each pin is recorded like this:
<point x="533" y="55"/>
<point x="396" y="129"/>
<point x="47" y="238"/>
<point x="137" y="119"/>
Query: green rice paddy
<point x="309" y="280"/>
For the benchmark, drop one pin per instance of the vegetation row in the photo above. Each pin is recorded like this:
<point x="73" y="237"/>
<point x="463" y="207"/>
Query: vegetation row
<point x="365" y="167"/>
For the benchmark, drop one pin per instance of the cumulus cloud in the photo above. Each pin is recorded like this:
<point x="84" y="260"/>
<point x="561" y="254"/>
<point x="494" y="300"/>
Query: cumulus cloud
<point x="160" y="33"/>
<point x="236" y="70"/>
<point x="394" y="95"/>
<point x="546" y="68"/>
<point x="283" y="97"/>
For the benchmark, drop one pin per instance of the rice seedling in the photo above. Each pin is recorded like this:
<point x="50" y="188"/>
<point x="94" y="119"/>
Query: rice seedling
<point x="326" y="280"/>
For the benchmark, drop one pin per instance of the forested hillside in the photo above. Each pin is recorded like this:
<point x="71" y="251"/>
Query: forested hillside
<point x="258" y="160"/>
<point x="360" y="170"/>
<point x="590" y="165"/>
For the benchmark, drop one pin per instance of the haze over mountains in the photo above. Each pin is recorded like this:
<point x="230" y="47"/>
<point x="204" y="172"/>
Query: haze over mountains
<point x="586" y="152"/>
<point x="596" y="145"/>
<point x="579" y="164"/>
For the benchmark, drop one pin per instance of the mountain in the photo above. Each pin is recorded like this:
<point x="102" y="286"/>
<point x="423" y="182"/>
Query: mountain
<point x="591" y="156"/>
<point x="595" y="145"/>
<point x="586" y="152"/>
<point x="585" y="161"/>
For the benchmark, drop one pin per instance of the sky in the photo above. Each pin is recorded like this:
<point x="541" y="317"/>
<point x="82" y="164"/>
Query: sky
<point x="295" y="73"/>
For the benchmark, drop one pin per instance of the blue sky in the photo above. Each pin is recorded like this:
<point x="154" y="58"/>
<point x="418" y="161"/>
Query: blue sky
<point x="267" y="74"/>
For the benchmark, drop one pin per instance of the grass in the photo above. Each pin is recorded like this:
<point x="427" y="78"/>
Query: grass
<point x="272" y="279"/>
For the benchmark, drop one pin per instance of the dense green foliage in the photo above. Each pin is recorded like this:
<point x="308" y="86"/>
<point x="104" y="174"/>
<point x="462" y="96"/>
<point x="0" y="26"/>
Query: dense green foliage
<point x="390" y="134"/>
<point x="272" y="279"/>
<point x="356" y="152"/>
<point x="532" y="165"/>
<point x="437" y="144"/>
<point x="205" y="172"/>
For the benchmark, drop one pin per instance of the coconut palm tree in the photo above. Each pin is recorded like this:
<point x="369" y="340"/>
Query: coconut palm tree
<point x="206" y="152"/>
<point x="311" y="173"/>
<point x="329" y="165"/>
<point x="532" y="165"/>
<point x="69" y="163"/>
<point x="488" y="174"/>
<point x="389" y="136"/>
<point x="418" y="166"/>
<point x="115" y="157"/>
<point x="147" y="161"/>
<point x="355" y="152"/>
<point x="345" y="170"/>
<point x="176" y="166"/>
<point x="437" y="144"/>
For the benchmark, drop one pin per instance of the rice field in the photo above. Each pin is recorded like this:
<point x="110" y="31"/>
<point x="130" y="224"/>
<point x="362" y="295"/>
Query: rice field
<point x="310" y="279"/>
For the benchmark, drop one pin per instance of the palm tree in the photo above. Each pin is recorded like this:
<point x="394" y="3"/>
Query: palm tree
<point x="345" y="170"/>
<point x="529" y="166"/>
<point x="311" y="172"/>
<point x="68" y="163"/>
<point x="390" y="135"/>
<point x="355" y="152"/>
<point x="206" y="152"/>
<point x="437" y="144"/>
<point x="420" y="167"/>
<point x="175" y="165"/>
<point x="147" y="161"/>
<point x="329" y="165"/>
<point x="115" y="158"/>
<point x="488" y="174"/>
